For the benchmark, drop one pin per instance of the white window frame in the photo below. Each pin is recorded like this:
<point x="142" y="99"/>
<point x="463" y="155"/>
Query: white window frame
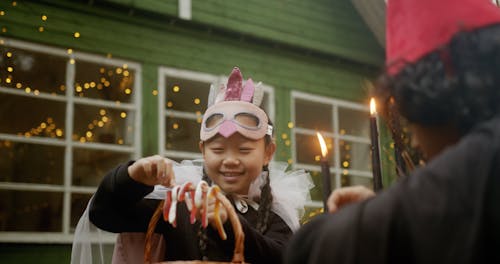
<point x="216" y="80"/>
<point x="67" y="189"/>
<point x="336" y="166"/>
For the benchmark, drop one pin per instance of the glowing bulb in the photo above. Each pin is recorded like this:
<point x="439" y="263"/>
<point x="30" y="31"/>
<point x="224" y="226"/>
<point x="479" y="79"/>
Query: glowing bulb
<point x="176" y="89"/>
<point x="123" y="114"/>
<point x="290" y="124"/>
<point x="197" y="101"/>
<point x="44" y="17"/>
<point x="76" y="34"/>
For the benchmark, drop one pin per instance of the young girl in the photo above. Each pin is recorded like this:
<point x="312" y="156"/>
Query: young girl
<point x="237" y="147"/>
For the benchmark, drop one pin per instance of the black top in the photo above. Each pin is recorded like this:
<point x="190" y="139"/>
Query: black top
<point x="445" y="212"/>
<point x="118" y="206"/>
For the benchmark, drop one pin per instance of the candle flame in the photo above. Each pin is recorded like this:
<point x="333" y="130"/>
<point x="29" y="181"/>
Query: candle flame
<point x="324" y="150"/>
<point x="373" y="107"/>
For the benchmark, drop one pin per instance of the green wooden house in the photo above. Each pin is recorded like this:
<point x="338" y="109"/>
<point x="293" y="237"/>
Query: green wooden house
<point x="86" y="85"/>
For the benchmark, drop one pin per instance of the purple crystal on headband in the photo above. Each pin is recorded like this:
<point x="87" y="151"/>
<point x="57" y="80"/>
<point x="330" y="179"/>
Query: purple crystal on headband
<point x="234" y="86"/>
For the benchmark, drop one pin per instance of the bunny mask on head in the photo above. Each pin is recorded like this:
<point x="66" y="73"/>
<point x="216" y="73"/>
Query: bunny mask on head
<point x="235" y="108"/>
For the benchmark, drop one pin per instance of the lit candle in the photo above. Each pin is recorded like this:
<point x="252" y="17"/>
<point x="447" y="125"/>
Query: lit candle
<point x="377" y="175"/>
<point x="325" y="171"/>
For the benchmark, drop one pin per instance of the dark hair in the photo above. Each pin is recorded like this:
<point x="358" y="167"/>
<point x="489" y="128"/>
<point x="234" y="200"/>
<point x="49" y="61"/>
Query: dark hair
<point x="458" y="84"/>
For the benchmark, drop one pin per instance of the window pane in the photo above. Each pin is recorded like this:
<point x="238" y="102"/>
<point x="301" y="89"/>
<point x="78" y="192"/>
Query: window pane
<point x="351" y="180"/>
<point x="317" y="191"/>
<point x="309" y="150"/>
<point x="182" y="134"/>
<point x="322" y="114"/>
<point x="31" y="163"/>
<point x="186" y="95"/>
<point x="90" y="166"/>
<point x="30" y="211"/>
<point x="310" y="213"/>
<point x="78" y="204"/>
<point x="32" y="71"/>
<point x="27" y="116"/>
<point x="355" y="156"/>
<point x="104" y="82"/>
<point x="353" y="122"/>
<point x="103" y="125"/>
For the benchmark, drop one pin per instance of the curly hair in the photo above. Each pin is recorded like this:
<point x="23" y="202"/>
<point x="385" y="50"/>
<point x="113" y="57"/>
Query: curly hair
<point x="457" y="84"/>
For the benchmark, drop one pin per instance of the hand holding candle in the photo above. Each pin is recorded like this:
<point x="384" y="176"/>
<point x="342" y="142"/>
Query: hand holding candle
<point x="377" y="175"/>
<point x="325" y="172"/>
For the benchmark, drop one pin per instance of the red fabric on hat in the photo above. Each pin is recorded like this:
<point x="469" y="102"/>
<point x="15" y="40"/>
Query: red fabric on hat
<point x="417" y="27"/>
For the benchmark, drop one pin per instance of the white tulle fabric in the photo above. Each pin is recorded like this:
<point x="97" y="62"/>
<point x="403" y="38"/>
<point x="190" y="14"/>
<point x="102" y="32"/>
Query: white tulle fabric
<point x="290" y="192"/>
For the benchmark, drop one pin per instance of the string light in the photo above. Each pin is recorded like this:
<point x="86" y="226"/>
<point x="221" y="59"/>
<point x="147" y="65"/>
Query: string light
<point x="44" y="18"/>
<point x="76" y="34"/>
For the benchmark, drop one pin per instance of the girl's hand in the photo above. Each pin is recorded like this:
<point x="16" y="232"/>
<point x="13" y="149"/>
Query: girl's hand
<point x="347" y="195"/>
<point x="153" y="170"/>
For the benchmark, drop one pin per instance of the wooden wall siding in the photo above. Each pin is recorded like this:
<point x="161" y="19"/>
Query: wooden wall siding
<point x="330" y="26"/>
<point x="158" y="43"/>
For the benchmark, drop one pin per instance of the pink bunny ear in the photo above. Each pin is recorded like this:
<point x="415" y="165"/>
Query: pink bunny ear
<point x="234" y="86"/>
<point x="248" y="90"/>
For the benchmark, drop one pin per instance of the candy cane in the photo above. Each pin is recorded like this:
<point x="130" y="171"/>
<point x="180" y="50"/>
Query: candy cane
<point x="200" y="200"/>
<point x="186" y="187"/>
<point x="214" y="190"/>
<point x="173" y="208"/>
<point x="166" y="205"/>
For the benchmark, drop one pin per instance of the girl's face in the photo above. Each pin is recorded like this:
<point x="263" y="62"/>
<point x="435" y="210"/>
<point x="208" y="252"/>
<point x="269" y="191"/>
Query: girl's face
<point x="234" y="162"/>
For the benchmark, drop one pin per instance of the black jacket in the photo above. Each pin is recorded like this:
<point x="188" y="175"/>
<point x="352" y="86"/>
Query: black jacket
<point x="446" y="212"/>
<point x="118" y="206"/>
